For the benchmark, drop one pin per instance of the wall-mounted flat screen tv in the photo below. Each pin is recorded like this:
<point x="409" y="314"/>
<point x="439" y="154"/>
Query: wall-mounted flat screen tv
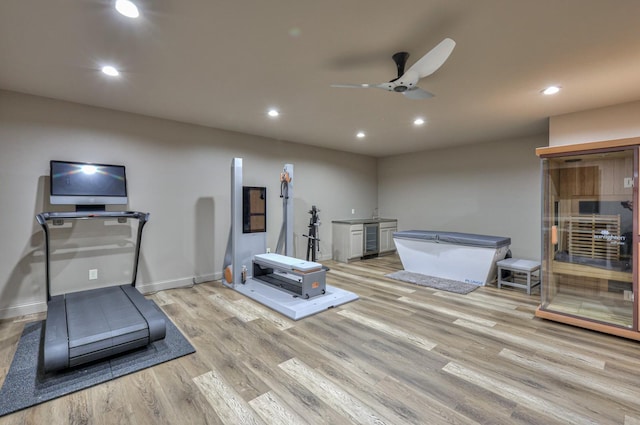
<point x="87" y="184"/>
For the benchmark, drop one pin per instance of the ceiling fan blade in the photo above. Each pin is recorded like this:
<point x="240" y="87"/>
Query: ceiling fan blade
<point x="354" y="86"/>
<point x="429" y="63"/>
<point x="385" y="86"/>
<point x="417" y="93"/>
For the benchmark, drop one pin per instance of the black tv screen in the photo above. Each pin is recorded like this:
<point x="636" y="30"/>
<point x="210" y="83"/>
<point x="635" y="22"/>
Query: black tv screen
<point x="84" y="183"/>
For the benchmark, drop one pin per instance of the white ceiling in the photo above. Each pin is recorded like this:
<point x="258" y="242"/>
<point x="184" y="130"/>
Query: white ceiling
<point x="223" y="63"/>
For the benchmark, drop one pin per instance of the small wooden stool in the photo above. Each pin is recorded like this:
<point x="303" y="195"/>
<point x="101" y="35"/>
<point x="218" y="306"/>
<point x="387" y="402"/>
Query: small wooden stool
<point x="519" y="270"/>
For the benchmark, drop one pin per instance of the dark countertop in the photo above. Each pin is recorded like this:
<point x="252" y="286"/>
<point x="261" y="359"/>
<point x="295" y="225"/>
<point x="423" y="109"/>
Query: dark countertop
<point x="364" y="220"/>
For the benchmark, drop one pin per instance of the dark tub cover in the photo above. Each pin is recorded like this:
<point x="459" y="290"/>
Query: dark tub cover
<point x="454" y="238"/>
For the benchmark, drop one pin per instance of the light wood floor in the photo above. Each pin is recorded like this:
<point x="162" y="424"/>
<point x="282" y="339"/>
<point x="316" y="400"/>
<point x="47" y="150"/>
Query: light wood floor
<point x="401" y="354"/>
<point x="615" y="311"/>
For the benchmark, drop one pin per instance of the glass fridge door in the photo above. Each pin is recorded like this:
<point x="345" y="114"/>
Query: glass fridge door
<point x="370" y="239"/>
<point x="588" y="236"/>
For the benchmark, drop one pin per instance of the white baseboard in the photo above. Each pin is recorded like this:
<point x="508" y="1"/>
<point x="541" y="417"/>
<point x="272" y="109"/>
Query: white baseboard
<point x="147" y="288"/>
<point x="207" y="277"/>
<point x="23" y="310"/>
<point x="186" y="282"/>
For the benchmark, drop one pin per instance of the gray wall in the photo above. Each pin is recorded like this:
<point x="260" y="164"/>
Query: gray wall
<point x="596" y="125"/>
<point x="490" y="188"/>
<point x="179" y="173"/>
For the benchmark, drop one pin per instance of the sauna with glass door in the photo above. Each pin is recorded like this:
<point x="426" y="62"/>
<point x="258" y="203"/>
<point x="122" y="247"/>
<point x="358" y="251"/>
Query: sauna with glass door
<point x="590" y="236"/>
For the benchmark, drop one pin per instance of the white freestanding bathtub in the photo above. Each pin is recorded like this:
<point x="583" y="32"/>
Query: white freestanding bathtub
<point x="463" y="257"/>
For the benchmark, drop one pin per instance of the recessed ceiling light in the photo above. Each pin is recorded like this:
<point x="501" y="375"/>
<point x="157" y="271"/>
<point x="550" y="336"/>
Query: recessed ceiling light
<point x="111" y="71"/>
<point x="360" y="135"/>
<point x="127" y="8"/>
<point x="551" y="90"/>
<point x="273" y="113"/>
<point x="418" y="121"/>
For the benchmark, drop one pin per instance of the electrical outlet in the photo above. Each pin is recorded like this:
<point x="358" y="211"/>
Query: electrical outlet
<point x="93" y="274"/>
<point x="628" y="182"/>
<point x="268" y="250"/>
<point x="353" y="211"/>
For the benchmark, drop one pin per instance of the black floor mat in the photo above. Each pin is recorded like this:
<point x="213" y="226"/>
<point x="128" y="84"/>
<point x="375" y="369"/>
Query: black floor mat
<point x="26" y="385"/>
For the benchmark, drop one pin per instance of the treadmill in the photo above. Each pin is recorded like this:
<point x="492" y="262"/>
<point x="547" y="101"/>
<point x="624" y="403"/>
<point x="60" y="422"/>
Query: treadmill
<point x="94" y="324"/>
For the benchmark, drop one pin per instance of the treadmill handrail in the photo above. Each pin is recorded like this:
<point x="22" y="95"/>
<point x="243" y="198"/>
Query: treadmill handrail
<point x="44" y="217"/>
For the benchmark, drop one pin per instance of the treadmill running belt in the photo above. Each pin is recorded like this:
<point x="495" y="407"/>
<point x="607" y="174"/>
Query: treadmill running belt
<point x="90" y="325"/>
<point x="101" y="318"/>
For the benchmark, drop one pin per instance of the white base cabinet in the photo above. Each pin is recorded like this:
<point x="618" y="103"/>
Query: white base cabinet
<point x="386" y="236"/>
<point x="348" y="240"/>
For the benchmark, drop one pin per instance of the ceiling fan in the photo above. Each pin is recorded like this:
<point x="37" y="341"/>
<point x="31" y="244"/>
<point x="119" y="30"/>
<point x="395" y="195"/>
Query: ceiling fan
<point x="406" y="82"/>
